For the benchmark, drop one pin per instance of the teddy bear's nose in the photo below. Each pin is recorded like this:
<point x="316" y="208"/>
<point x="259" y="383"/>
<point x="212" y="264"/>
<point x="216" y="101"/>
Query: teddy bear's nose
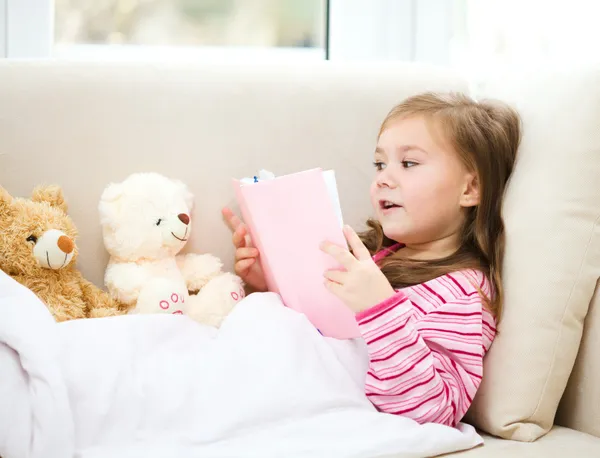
<point x="65" y="244"/>
<point x="185" y="219"/>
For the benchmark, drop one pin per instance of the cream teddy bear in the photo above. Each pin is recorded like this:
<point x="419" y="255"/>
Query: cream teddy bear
<point x="146" y="221"/>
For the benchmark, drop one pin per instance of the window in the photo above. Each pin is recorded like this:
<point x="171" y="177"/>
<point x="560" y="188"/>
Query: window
<point x="166" y="29"/>
<point x="491" y="34"/>
<point x="476" y="36"/>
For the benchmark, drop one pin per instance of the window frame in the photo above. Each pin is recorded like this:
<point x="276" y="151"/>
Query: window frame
<point x="3" y="27"/>
<point x="26" y="28"/>
<point x="404" y="30"/>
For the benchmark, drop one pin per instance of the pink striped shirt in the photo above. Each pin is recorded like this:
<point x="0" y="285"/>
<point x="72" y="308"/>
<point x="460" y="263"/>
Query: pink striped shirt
<point x="426" y="346"/>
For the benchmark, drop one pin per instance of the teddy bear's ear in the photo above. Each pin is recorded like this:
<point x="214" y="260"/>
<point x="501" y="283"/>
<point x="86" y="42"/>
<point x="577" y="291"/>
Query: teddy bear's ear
<point x="112" y="192"/>
<point x="108" y="205"/>
<point x="5" y="201"/>
<point x="52" y="194"/>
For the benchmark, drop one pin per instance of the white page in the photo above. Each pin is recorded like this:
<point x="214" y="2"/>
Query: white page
<point x="329" y="176"/>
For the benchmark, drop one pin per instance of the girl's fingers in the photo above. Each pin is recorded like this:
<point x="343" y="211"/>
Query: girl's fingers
<point x="335" y="288"/>
<point x="239" y="237"/>
<point x="247" y="239"/>
<point x="337" y="276"/>
<point x="236" y="224"/>
<point x="356" y="244"/>
<point x="233" y="222"/>
<point x="246" y="252"/>
<point x="341" y="255"/>
<point x="241" y="267"/>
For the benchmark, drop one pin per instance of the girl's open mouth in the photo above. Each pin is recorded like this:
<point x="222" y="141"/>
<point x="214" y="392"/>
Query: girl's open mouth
<point x="388" y="205"/>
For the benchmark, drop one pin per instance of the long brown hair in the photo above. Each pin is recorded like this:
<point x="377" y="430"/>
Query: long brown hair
<point x="486" y="136"/>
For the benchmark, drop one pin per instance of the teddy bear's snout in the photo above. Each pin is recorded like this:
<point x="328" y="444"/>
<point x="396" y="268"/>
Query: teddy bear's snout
<point x="54" y="249"/>
<point x="65" y="244"/>
<point x="185" y="219"/>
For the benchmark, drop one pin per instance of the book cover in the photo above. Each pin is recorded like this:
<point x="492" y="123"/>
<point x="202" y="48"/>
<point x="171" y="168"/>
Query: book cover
<point x="287" y="218"/>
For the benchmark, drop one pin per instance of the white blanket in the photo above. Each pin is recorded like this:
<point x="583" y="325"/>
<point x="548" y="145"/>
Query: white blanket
<point x="266" y="385"/>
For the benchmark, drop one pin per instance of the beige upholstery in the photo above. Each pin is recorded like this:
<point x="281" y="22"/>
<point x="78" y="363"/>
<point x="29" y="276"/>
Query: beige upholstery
<point x="558" y="443"/>
<point x="580" y="405"/>
<point x="85" y="125"/>
<point x="552" y="260"/>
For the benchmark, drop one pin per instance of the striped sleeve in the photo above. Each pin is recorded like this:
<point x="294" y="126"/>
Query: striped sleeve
<point x="426" y="366"/>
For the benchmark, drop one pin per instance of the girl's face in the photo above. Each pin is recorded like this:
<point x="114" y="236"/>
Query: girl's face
<point x="421" y="187"/>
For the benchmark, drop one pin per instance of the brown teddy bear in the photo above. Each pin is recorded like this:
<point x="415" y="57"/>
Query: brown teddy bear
<point x="37" y="248"/>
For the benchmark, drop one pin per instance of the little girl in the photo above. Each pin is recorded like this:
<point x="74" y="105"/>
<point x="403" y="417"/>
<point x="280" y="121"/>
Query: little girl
<point x="425" y="280"/>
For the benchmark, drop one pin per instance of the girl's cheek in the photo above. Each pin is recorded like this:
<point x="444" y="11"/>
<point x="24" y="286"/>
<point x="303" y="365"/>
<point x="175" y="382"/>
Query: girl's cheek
<point x="372" y="191"/>
<point x="418" y="196"/>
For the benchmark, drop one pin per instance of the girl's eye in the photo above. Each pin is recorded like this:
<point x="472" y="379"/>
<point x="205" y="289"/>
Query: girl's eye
<point x="408" y="164"/>
<point x="379" y="166"/>
<point x="32" y="238"/>
<point x="158" y="221"/>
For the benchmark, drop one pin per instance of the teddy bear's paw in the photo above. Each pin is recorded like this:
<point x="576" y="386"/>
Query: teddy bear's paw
<point x="125" y="281"/>
<point x="199" y="269"/>
<point x="103" y="312"/>
<point x="173" y="304"/>
<point x="169" y="303"/>
<point x="161" y="297"/>
<point x="61" y="315"/>
<point x="218" y="297"/>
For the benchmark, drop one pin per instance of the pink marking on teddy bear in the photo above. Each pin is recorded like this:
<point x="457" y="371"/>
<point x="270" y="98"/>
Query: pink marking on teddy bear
<point x="236" y="296"/>
<point x="164" y="305"/>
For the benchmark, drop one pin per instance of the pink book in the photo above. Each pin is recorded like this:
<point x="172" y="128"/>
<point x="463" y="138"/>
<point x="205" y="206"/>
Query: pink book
<point x="288" y="217"/>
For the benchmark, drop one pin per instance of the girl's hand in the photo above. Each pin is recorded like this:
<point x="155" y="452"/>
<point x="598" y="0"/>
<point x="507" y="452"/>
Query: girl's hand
<point x="247" y="266"/>
<point x="362" y="284"/>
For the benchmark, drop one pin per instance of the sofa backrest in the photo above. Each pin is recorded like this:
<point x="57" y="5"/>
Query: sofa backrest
<point x="85" y="125"/>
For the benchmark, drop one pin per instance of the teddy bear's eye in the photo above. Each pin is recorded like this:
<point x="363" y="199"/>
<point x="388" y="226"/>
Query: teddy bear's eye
<point x="32" y="238"/>
<point x="158" y="221"/>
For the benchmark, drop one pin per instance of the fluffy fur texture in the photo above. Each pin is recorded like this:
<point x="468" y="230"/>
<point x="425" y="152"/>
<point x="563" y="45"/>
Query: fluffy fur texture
<point x="146" y="221"/>
<point x="37" y="248"/>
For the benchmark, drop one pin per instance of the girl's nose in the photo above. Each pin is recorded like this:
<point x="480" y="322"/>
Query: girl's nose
<point x="385" y="179"/>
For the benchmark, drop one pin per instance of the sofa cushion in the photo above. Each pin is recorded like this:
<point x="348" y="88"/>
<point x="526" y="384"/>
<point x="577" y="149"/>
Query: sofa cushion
<point x="558" y="443"/>
<point x="580" y="405"/>
<point x="552" y="258"/>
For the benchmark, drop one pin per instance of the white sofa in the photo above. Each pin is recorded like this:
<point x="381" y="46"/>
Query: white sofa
<point x="85" y="125"/>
